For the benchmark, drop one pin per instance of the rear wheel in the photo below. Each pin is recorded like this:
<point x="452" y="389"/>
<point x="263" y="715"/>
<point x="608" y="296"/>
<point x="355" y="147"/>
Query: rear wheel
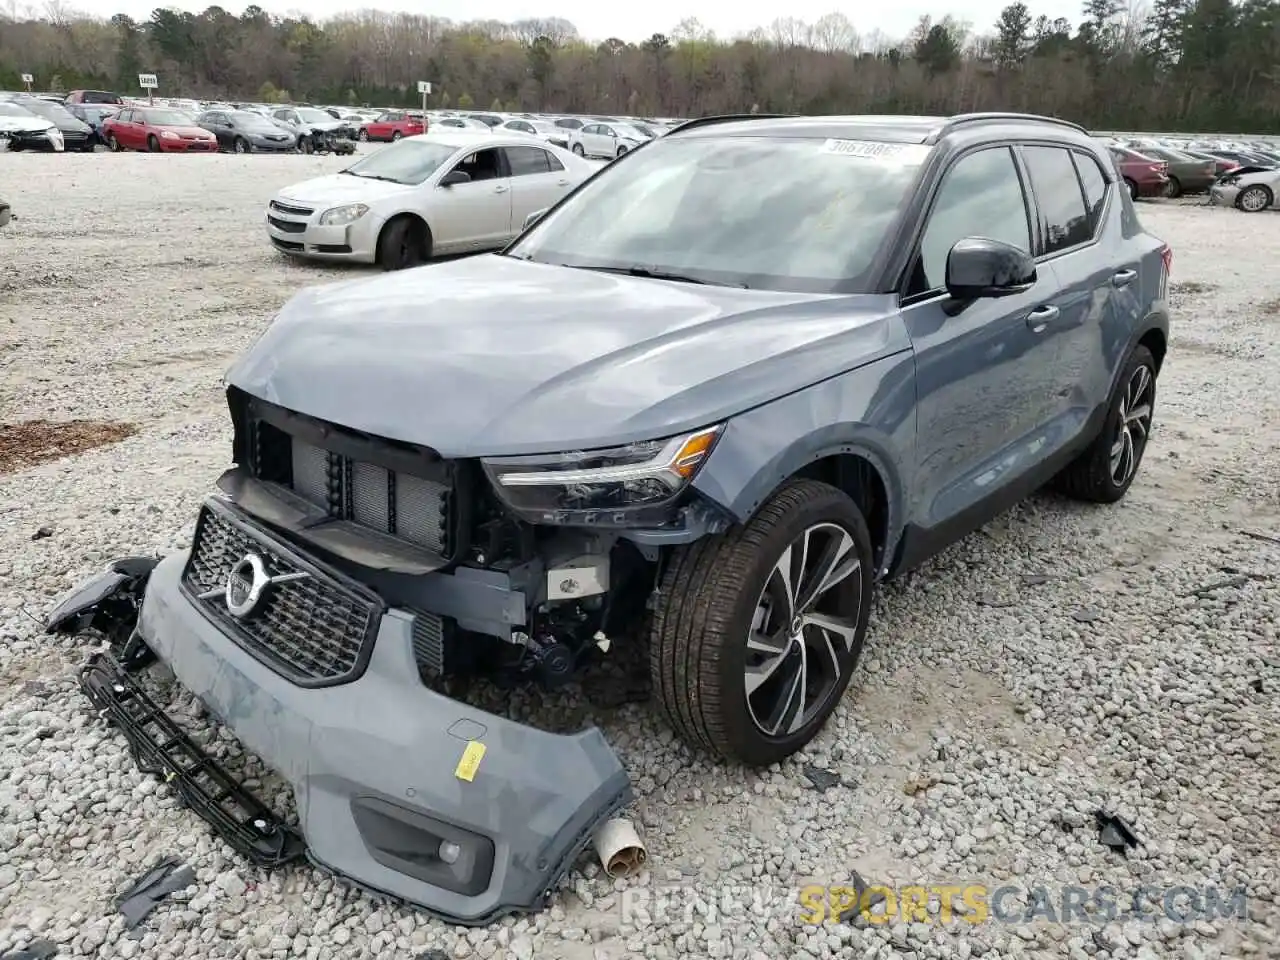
<point x="1254" y="199"/>
<point x="404" y="242"/>
<point x="153" y="143"/>
<point x="1104" y="472"/>
<point x="1173" y="188"/>
<point x="757" y="631"/>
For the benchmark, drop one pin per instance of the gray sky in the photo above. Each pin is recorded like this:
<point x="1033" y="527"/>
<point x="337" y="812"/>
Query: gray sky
<point x="633" y="21"/>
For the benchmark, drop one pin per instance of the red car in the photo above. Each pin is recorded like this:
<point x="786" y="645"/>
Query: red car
<point x="1144" y="176"/>
<point x="392" y="126"/>
<point x="158" y="130"/>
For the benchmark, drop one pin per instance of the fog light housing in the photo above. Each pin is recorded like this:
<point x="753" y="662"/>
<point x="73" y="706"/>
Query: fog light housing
<point x="424" y="847"/>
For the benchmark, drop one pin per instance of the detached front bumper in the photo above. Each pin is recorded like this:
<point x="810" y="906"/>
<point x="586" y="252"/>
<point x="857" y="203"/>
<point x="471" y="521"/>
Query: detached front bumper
<point x="404" y="791"/>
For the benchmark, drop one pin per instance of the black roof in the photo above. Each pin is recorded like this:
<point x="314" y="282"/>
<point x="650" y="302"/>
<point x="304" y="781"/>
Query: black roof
<point x="892" y="129"/>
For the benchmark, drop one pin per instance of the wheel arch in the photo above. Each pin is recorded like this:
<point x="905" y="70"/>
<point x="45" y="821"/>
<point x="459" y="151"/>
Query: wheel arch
<point x="398" y="216"/>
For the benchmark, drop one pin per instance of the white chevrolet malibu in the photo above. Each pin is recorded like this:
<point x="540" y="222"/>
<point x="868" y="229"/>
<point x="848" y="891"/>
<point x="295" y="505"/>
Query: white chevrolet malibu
<point x="445" y="192"/>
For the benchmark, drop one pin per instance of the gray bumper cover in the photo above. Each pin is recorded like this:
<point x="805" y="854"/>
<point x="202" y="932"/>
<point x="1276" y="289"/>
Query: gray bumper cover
<point x="373" y="766"/>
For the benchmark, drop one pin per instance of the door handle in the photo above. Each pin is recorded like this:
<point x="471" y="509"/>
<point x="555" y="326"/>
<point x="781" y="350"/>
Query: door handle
<point x="499" y="189"/>
<point x="1124" y="278"/>
<point x="562" y="183"/>
<point x="1040" y="317"/>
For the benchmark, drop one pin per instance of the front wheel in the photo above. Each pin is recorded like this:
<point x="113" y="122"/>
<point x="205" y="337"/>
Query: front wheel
<point x="396" y="136"/>
<point x="579" y="150"/>
<point x="404" y="242"/>
<point x="153" y="143"/>
<point x="757" y="631"/>
<point x="1254" y="199"/>
<point x="1133" y="188"/>
<point x="621" y="150"/>
<point x="1104" y="472"/>
<point x="306" y="145"/>
<point x="113" y="144"/>
<point x="364" y="136"/>
<point x="241" y="145"/>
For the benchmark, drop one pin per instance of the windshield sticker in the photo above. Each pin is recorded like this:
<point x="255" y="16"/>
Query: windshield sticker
<point x="874" y="150"/>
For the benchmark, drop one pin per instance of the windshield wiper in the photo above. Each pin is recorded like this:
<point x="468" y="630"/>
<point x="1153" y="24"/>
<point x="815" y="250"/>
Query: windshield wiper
<point x="371" y="176"/>
<point x="649" y="274"/>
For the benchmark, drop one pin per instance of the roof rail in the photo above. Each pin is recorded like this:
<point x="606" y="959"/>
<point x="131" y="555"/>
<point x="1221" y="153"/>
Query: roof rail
<point x="963" y="118"/>
<point x="727" y="118"/>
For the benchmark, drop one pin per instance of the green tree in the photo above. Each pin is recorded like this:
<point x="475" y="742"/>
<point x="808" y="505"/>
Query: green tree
<point x="465" y="102"/>
<point x="1013" y="35"/>
<point x="937" y="51"/>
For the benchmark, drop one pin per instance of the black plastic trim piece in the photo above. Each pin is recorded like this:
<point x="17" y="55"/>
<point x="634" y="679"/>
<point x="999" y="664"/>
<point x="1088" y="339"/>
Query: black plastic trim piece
<point x="161" y="748"/>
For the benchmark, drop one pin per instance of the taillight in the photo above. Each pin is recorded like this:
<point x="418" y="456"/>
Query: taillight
<point x="1157" y="168"/>
<point x="1166" y="257"/>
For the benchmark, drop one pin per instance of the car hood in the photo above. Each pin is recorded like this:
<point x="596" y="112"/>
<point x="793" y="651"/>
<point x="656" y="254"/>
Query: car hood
<point x="25" y="124"/>
<point x="497" y="356"/>
<point x="341" y="188"/>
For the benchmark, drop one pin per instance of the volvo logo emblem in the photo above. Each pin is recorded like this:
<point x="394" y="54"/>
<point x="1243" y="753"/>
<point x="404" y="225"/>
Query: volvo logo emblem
<point x="247" y="584"/>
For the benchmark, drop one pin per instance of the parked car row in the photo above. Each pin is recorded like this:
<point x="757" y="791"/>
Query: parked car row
<point x="1243" y="174"/>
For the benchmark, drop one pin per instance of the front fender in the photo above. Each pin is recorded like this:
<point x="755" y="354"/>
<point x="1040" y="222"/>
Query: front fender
<point x="868" y="412"/>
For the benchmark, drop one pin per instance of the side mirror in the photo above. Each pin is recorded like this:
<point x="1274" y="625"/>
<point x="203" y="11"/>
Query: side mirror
<point x="980" y="267"/>
<point x="455" y="177"/>
<point x="534" y="217"/>
<point x="231" y="124"/>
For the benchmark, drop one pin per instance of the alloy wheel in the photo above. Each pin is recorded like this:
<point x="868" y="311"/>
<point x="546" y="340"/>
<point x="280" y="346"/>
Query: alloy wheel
<point x="1134" y="425"/>
<point x="1253" y="200"/>
<point x="803" y="631"/>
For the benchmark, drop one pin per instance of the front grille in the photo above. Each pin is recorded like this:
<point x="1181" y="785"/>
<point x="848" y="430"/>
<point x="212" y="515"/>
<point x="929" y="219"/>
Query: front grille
<point x="315" y="631"/>
<point x="291" y="210"/>
<point x="288" y="226"/>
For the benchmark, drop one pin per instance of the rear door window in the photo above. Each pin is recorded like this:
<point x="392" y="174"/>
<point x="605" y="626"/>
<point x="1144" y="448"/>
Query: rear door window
<point x="1095" y="188"/>
<point x="1064" y="221"/>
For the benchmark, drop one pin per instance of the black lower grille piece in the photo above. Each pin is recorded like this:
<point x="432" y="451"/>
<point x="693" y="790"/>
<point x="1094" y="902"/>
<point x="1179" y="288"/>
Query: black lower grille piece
<point x="429" y="642"/>
<point x="288" y="226"/>
<point x="162" y="749"/>
<point x="287" y="244"/>
<point x="309" y="623"/>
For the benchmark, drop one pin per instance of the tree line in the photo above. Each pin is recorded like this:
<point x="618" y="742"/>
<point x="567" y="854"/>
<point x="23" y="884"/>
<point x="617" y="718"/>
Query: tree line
<point x="1185" y="65"/>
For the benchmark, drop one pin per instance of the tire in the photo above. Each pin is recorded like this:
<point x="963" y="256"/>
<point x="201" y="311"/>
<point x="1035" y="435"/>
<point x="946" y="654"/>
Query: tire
<point x="241" y="145"/>
<point x="113" y="144"/>
<point x="621" y="150"/>
<point x="1095" y="476"/>
<point x="153" y="144"/>
<point x="396" y="135"/>
<point x="1133" y="188"/>
<point x="364" y="136"/>
<point x="306" y="145"/>
<point x="579" y="150"/>
<point x="712" y="597"/>
<point x="1173" y="189"/>
<point x="403" y="243"/>
<point x="1254" y="199"/>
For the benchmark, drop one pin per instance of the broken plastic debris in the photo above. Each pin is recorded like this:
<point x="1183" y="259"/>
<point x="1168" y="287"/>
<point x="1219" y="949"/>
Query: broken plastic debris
<point x="620" y="849"/>
<point x="1115" y="833"/>
<point x="863" y="901"/>
<point x="144" y="895"/>
<point x="821" y="779"/>
<point x="35" y="950"/>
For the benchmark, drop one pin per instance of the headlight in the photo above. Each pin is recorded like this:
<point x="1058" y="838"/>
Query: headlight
<point x="613" y="486"/>
<point x="347" y="213"/>
<point x="168" y="135"/>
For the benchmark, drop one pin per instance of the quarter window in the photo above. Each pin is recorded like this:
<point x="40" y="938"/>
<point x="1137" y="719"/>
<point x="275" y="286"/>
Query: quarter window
<point x="1095" y="188"/>
<point x="1064" y="222"/>
<point x="981" y="196"/>
<point x="525" y="161"/>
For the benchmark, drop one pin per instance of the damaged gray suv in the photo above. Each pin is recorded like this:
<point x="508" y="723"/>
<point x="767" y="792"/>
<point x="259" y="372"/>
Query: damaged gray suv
<point x="720" y="391"/>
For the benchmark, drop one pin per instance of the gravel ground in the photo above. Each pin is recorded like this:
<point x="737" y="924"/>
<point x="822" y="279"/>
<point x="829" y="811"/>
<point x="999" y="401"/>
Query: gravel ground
<point x="1065" y="658"/>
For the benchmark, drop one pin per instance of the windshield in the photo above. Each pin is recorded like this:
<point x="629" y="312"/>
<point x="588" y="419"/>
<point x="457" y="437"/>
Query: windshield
<point x="13" y="110"/>
<point x="409" y="162"/>
<point x="252" y="121"/>
<point x="802" y="215"/>
<point x="50" y="111"/>
<point x="626" y="130"/>
<point x="314" y="116"/>
<point x="167" y="118"/>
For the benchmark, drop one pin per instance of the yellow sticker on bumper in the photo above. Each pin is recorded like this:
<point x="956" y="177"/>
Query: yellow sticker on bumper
<point x="470" y="761"/>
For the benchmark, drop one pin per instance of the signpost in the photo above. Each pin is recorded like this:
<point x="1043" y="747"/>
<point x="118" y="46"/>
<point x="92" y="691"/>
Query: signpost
<point x="28" y="79"/>
<point x="147" y="81"/>
<point x="424" y="88"/>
